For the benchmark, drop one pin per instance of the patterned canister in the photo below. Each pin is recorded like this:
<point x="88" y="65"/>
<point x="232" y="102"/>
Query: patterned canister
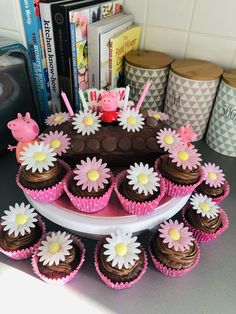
<point x="191" y="90"/>
<point x="141" y="66"/>
<point x="221" y="132"/>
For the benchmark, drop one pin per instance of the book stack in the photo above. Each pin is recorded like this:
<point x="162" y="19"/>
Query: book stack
<point x="75" y="45"/>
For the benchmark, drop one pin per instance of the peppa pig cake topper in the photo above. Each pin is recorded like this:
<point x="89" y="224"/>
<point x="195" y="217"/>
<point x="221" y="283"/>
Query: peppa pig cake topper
<point x="25" y="130"/>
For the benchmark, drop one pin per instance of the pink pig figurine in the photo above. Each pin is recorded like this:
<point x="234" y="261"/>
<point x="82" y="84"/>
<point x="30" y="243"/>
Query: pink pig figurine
<point x="109" y="105"/>
<point x="25" y="130"/>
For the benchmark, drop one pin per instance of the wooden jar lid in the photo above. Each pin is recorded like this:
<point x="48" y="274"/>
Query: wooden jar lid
<point x="148" y="59"/>
<point x="230" y="77"/>
<point x="196" y="69"/>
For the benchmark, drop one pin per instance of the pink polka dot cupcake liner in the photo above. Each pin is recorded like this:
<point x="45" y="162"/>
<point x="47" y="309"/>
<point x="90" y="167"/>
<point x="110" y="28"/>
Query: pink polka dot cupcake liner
<point x="137" y="208"/>
<point x="45" y="195"/>
<point x="26" y="253"/>
<point x="177" y="190"/>
<point x="63" y="280"/>
<point x="117" y="285"/>
<point x="204" y="237"/>
<point x="88" y="204"/>
<point x="170" y="272"/>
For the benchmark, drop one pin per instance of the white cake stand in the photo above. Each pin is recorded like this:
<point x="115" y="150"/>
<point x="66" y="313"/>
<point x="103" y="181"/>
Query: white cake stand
<point x="99" y="224"/>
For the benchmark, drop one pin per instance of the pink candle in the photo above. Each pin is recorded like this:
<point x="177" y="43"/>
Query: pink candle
<point x="67" y="103"/>
<point x="144" y="93"/>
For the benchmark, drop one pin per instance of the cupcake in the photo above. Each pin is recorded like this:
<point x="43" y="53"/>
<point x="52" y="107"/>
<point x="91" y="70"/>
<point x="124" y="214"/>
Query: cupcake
<point x="139" y="189"/>
<point x="58" y="257"/>
<point x="180" y="169"/>
<point x="89" y="185"/>
<point x="120" y="261"/>
<point x="204" y="217"/>
<point x="41" y="175"/>
<point x="20" y="230"/>
<point x="173" y="249"/>
<point x="214" y="184"/>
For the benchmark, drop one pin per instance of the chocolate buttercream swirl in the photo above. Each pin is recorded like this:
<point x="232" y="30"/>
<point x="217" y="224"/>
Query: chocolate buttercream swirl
<point x="208" y="225"/>
<point x="11" y="243"/>
<point x="170" y="257"/>
<point x="128" y="192"/>
<point x="178" y="175"/>
<point x="210" y="191"/>
<point x="123" y="274"/>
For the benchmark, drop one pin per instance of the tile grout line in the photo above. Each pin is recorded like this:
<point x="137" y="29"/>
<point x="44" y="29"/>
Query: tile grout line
<point x="190" y="26"/>
<point x="145" y="24"/>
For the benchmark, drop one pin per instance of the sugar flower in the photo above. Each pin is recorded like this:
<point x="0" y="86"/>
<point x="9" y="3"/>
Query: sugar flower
<point x="204" y="205"/>
<point x="92" y="174"/>
<point x="122" y="249"/>
<point x="19" y="219"/>
<point x="57" y="118"/>
<point x="37" y="157"/>
<point x="158" y="115"/>
<point x="167" y="138"/>
<point x="131" y="120"/>
<point x="60" y="142"/>
<point x="176" y="235"/>
<point x="185" y="156"/>
<point x="213" y="175"/>
<point x="55" y="248"/>
<point x="186" y="134"/>
<point x="86" y="122"/>
<point x="143" y="178"/>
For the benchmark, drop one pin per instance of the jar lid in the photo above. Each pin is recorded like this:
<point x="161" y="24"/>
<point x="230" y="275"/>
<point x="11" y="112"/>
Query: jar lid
<point x="230" y="78"/>
<point x="196" y="69"/>
<point x="148" y="59"/>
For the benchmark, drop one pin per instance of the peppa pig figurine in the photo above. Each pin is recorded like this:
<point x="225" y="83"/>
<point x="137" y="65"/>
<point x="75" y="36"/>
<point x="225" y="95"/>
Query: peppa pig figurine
<point x="109" y="104"/>
<point x="25" y="130"/>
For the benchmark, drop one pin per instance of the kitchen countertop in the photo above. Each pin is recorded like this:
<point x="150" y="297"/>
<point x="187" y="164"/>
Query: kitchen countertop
<point x="209" y="288"/>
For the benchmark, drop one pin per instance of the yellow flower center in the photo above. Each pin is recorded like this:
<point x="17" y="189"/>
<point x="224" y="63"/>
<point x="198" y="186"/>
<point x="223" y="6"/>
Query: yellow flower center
<point x="174" y="234"/>
<point x="156" y="115"/>
<point x="142" y="178"/>
<point x="183" y="155"/>
<point x="21" y="219"/>
<point x="93" y="175"/>
<point x="204" y="206"/>
<point x="39" y="156"/>
<point x="54" y="247"/>
<point x="88" y="120"/>
<point x="131" y="120"/>
<point x="121" y="249"/>
<point x="169" y="139"/>
<point x="55" y="143"/>
<point x="58" y="119"/>
<point x="212" y="175"/>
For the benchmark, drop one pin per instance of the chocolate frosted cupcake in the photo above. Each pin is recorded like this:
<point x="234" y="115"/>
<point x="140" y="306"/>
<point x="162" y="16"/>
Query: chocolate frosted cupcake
<point x="41" y="175"/>
<point x="180" y="169"/>
<point x="20" y="231"/>
<point x="90" y="185"/>
<point x="120" y="261"/>
<point x="214" y="184"/>
<point x="58" y="257"/>
<point x="204" y="218"/>
<point x="139" y="189"/>
<point x="173" y="249"/>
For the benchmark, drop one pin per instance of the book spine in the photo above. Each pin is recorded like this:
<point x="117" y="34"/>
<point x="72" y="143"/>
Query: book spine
<point x="93" y="56"/>
<point x="74" y="66"/>
<point x="46" y="20"/>
<point x="34" y="41"/>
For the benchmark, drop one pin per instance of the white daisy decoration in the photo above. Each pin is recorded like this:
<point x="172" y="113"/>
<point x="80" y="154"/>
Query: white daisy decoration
<point x="55" y="248"/>
<point x="122" y="249"/>
<point x="131" y="120"/>
<point x="19" y="219"/>
<point x="204" y="205"/>
<point x="38" y="157"/>
<point x="86" y="122"/>
<point x="143" y="178"/>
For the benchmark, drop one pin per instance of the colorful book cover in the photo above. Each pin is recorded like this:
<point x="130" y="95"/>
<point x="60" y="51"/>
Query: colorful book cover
<point x="107" y="10"/>
<point x="34" y="39"/>
<point x="120" y="45"/>
<point x="82" y="54"/>
<point x="117" y="7"/>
